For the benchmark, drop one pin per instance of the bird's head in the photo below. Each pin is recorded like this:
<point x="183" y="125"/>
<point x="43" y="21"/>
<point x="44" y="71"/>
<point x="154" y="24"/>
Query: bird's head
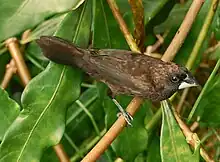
<point x="178" y="77"/>
<point x="169" y="77"/>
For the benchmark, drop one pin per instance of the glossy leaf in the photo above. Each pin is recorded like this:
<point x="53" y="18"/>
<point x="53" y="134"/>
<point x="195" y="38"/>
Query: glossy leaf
<point x="79" y="127"/>
<point x="45" y="101"/>
<point x="9" y="110"/>
<point x="173" y="145"/>
<point x="19" y="15"/>
<point x="132" y="140"/>
<point x="156" y="11"/>
<point x="43" y="114"/>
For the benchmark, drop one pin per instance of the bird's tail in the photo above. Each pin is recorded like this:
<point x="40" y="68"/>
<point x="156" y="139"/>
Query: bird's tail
<point x="59" y="50"/>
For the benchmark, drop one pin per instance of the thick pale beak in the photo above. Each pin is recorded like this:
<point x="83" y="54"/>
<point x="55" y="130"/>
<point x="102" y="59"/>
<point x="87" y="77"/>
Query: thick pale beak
<point x="189" y="81"/>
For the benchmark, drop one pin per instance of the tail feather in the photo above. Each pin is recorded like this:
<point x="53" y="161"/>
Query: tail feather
<point x="59" y="50"/>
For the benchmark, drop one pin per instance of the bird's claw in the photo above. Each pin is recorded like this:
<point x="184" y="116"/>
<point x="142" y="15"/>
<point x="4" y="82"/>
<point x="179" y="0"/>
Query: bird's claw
<point x="128" y="118"/>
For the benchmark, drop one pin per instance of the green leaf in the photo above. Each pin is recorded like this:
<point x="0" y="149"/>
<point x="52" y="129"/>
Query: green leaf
<point x="154" y="150"/>
<point x="34" y="54"/>
<point x="45" y="100"/>
<point x="9" y="110"/>
<point x="209" y="104"/>
<point x="156" y="11"/>
<point x="41" y="123"/>
<point x="132" y="140"/>
<point x="107" y="33"/>
<point x="19" y="15"/>
<point x="173" y="145"/>
<point x="217" y="25"/>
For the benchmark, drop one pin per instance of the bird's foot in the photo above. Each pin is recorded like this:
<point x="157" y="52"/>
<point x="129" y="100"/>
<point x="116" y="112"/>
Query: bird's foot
<point x="128" y="118"/>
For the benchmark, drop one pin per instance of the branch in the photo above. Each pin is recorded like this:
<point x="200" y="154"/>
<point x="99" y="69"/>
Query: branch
<point x="61" y="154"/>
<point x="11" y="69"/>
<point x="138" y="16"/>
<point x="124" y="29"/>
<point x="183" y="30"/>
<point x="158" y="43"/>
<point x="12" y="45"/>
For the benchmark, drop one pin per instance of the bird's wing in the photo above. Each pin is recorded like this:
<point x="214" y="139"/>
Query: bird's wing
<point x="123" y="68"/>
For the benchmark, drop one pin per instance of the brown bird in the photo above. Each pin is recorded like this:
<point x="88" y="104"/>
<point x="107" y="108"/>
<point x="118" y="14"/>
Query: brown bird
<point x="125" y="72"/>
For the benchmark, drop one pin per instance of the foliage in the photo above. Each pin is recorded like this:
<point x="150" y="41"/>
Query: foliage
<point x="63" y="105"/>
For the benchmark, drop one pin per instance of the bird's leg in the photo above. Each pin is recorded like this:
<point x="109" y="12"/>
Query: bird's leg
<point x="128" y="118"/>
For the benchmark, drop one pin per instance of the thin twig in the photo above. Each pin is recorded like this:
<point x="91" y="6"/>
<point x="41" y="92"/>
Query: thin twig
<point x="137" y="9"/>
<point x="183" y="30"/>
<point x="212" y="49"/>
<point x="12" y="45"/>
<point x="194" y="126"/>
<point x="124" y="29"/>
<point x="63" y="157"/>
<point x="11" y="69"/>
<point x="158" y="43"/>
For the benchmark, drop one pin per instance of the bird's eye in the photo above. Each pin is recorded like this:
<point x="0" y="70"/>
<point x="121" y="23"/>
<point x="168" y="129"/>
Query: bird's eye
<point x="174" y="79"/>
